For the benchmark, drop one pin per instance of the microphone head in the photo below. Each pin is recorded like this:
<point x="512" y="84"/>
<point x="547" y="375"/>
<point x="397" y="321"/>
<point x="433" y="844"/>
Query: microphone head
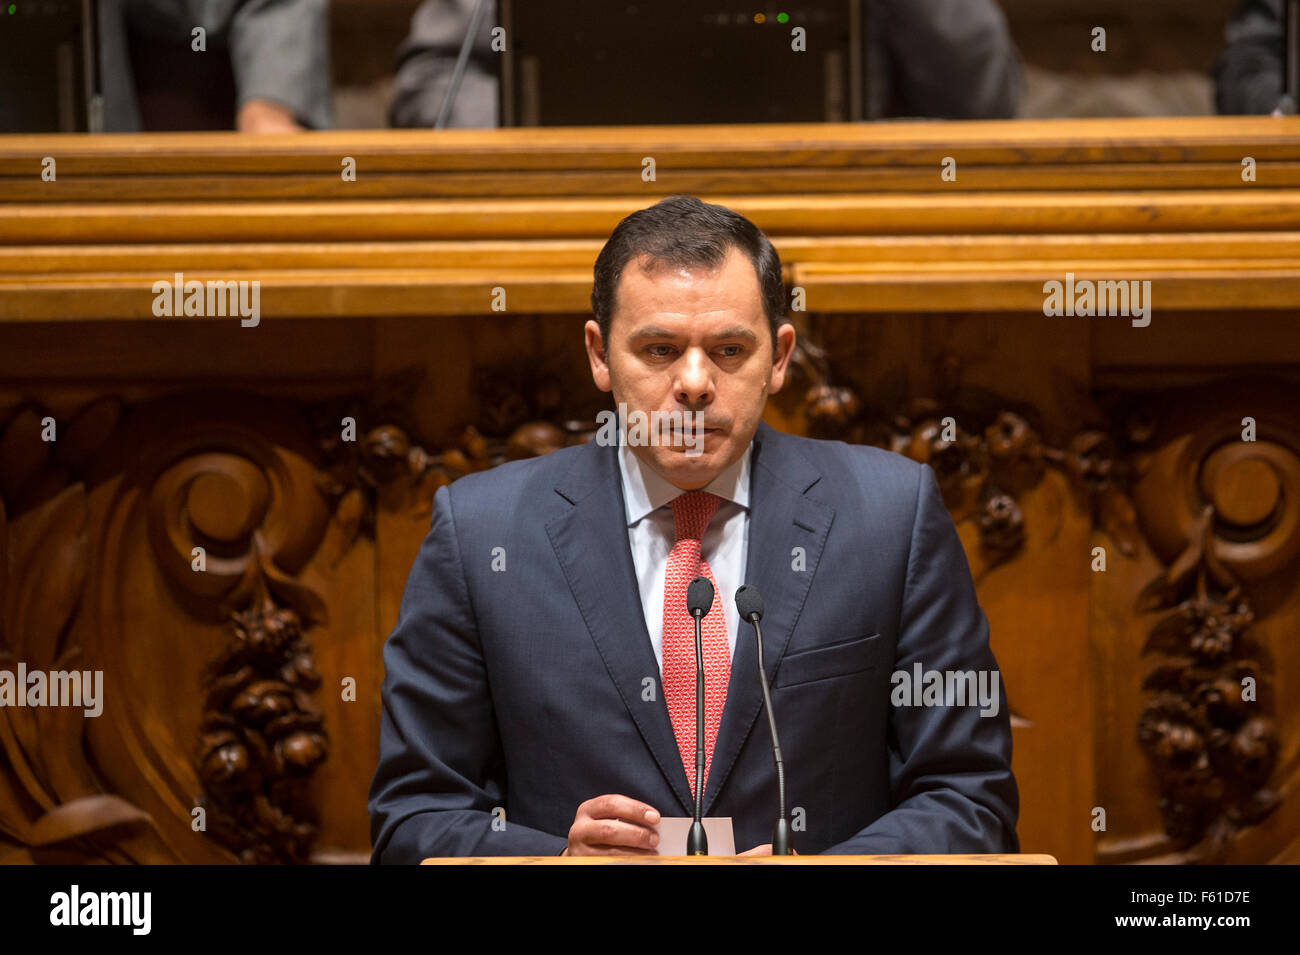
<point x="749" y="602"/>
<point x="699" y="596"/>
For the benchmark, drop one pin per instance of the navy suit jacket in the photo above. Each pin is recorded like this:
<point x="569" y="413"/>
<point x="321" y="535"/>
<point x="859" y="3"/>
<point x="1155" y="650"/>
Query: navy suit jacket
<point x="513" y="694"/>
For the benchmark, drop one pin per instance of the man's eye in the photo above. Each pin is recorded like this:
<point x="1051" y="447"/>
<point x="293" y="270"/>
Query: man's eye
<point x="660" y="351"/>
<point x="732" y="351"/>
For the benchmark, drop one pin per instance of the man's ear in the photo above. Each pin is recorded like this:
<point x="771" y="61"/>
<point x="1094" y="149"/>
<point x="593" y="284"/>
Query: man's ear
<point x="781" y="363"/>
<point x="596" y="356"/>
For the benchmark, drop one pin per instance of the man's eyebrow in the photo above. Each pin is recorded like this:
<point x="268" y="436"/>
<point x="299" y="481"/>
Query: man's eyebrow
<point x="650" y="331"/>
<point x="738" y="331"/>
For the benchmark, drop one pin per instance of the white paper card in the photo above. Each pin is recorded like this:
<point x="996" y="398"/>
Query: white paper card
<point x="673" y="831"/>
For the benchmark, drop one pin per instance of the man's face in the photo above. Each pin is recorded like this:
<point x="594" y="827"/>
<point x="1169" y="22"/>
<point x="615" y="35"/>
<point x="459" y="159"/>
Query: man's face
<point x="692" y="340"/>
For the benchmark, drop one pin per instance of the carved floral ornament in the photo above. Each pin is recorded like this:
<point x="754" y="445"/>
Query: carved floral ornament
<point x="1224" y="514"/>
<point x="227" y="518"/>
<point x="255" y="510"/>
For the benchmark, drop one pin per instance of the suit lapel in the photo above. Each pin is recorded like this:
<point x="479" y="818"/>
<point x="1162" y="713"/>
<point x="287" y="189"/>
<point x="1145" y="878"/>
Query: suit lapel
<point x="781" y="519"/>
<point x="590" y="541"/>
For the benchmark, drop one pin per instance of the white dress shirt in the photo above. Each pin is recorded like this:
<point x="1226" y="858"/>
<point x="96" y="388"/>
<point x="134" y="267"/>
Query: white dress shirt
<point x="647" y="498"/>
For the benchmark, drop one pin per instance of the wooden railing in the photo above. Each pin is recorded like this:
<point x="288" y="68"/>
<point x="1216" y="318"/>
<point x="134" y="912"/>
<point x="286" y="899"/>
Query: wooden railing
<point x="864" y="216"/>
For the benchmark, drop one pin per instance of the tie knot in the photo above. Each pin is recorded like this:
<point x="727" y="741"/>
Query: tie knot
<point x="692" y="512"/>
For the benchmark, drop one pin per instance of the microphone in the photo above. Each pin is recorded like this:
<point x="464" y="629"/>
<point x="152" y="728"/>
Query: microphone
<point x="699" y="601"/>
<point x="750" y="604"/>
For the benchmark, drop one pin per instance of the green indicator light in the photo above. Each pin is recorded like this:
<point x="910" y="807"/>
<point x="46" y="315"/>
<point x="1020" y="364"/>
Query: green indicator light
<point x="783" y="18"/>
<point x="13" y="8"/>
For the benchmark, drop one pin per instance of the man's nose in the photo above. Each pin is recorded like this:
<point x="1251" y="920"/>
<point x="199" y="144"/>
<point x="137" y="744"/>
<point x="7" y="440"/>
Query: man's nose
<point x="694" y="384"/>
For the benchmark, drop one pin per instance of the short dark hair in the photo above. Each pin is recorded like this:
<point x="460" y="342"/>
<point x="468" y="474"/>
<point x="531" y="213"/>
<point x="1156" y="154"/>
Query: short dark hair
<point x="683" y="232"/>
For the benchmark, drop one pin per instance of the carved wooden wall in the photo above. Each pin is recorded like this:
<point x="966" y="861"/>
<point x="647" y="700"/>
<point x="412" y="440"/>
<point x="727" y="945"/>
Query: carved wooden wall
<point x="225" y="689"/>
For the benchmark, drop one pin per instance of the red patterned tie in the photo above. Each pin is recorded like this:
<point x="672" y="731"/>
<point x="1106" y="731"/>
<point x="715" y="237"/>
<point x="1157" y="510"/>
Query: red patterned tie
<point x="692" y="512"/>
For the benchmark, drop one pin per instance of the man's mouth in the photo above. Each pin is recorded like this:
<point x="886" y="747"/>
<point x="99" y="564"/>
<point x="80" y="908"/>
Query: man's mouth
<point x="696" y="439"/>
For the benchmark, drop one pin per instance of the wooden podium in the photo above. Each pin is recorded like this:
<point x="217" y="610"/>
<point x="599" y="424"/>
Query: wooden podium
<point x="1006" y="859"/>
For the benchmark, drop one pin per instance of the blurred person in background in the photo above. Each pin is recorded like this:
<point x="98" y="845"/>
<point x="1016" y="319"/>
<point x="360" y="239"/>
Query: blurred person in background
<point x="265" y="66"/>
<point x="1248" y="73"/>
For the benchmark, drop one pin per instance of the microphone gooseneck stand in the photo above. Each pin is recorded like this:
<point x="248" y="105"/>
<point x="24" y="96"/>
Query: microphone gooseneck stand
<point x="699" y="600"/>
<point x="750" y="604"/>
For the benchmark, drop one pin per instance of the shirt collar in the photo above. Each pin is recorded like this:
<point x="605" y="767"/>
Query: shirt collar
<point x="645" y="490"/>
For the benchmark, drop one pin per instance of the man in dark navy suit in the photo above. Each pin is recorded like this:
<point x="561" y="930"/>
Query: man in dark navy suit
<point x="539" y="688"/>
